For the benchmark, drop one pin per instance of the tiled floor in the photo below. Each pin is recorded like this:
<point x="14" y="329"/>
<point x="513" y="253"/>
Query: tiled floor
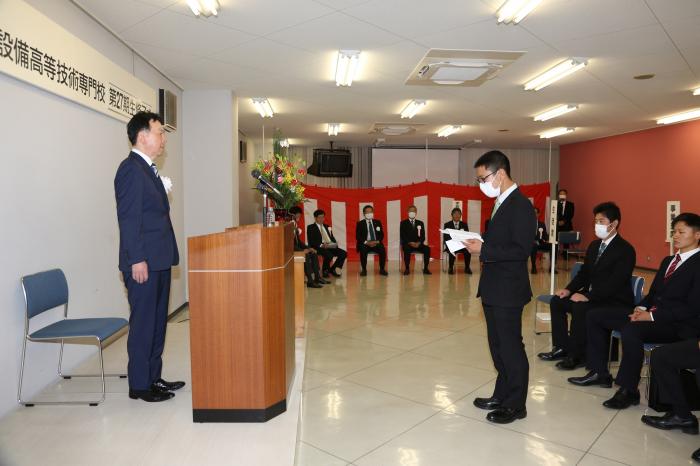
<point x="394" y="363"/>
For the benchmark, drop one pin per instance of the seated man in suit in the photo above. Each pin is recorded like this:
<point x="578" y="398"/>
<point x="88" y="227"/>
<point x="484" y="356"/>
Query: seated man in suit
<point x="541" y="242"/>
<point x="369" y="235"/>
<point x="457" y="224"/>
<point x="321" y="239"/>
<point x="669" y="313"/>
<point x="311" y="270"/>
<point x="604" y="281"/>
<point x="412" y="233"/>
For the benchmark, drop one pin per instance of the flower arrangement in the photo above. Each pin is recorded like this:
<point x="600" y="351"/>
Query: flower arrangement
<point x="285" y="174"/>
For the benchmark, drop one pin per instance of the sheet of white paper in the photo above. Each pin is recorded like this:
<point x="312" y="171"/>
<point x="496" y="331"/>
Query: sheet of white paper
<point x="453" y="245"/>
<point x="461" y="235"/>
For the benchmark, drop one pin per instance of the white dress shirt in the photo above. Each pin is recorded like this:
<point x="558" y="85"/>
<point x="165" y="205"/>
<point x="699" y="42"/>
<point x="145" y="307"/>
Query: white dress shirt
<point x="143" y="156"/>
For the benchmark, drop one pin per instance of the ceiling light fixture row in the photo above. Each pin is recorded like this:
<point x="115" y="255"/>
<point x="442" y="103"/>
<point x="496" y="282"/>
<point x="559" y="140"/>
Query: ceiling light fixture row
<point x="552" y="133"/>
<point x="696" y="91"/>
<point x="448" y="130"/>
<point x="204" y="7"/>
<point x="413" y="108"/>
<point x="555" y="112"/>
<point x="284" y="142"/>
<point x="333" y="129"/>
<point x="514" y="11"/>
<point x="262" y="105"/>
<point x="346" y="67"/>
<point x="555" y="73"/>
<point x="676" y="117"/>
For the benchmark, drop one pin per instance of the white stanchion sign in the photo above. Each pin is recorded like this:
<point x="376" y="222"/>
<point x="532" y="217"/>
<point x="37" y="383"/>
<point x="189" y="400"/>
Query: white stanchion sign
<point x="38" y="51"/>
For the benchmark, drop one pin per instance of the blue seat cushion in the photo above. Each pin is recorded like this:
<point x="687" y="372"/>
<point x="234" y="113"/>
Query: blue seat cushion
<point x="545" y="298"/>
<point x="101" y="328"/>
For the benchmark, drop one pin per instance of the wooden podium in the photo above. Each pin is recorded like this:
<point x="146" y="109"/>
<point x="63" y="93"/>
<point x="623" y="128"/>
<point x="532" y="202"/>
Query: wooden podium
<point x="241" y="294"/>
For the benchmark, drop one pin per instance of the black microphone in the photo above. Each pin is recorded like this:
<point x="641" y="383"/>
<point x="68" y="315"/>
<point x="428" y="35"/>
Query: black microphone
<point x="258" y="176"/>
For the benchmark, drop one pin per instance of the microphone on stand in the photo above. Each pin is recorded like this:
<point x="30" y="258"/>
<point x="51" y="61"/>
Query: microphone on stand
<point x="258" y="176"/>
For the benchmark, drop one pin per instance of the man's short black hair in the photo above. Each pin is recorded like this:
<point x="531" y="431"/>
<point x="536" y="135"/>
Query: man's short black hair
<point x="609" y="210"/>
<point x="689" y="218"/>
<point x="295" y="210"/>
<point x="141" y="121"/>
<point x="364" y="209"/>
<point x="456" y="209"/>
<point x="412" y="207"/>
<point x="493" y="161"/>
<point x="562" y="190"/>
<point x="319" y="212"/>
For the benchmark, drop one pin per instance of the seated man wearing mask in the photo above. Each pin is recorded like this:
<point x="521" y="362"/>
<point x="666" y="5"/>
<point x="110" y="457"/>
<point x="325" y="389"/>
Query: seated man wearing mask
<point x="369" y="235"/>
<point x="457" y="224"/>
<point x="311" y="270"/>
<point x="413" y="240"/>
<point x="603" y="281"/>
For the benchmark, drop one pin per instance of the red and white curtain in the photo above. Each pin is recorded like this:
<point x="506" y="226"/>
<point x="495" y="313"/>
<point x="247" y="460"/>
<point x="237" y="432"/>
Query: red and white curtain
<point x="434" y="201"/>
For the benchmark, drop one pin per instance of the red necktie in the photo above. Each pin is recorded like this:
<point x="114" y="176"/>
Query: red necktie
<point x="672" y="268"/>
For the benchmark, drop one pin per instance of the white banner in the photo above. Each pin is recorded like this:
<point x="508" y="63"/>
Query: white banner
<point x="38" y="51"/>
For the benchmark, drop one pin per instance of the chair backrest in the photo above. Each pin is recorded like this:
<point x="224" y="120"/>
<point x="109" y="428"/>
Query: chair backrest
<point x="637" y="288"/>
<point x="570" y="237"/>
<point x="576" y="268"/>
<point x="44" y="291"/>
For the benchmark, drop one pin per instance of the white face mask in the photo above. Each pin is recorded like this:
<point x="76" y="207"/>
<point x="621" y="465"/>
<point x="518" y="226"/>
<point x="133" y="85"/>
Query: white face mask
<point x="411" y="215"/>
<point x="369" y="216"/>
<point x="601" y="231"/>
<point x="489" y="190"/>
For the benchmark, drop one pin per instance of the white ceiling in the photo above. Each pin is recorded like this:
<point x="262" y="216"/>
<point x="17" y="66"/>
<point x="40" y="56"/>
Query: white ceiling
<point x="285" y="50"/>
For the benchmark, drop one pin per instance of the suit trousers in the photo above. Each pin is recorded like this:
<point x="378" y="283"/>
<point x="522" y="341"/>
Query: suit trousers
<point x="147" y="323"/>
<point x="666" y="364"/>
<point x="467" y="258"/>
<point x="379" y="249"/>
<point x="570" y="338"/>
<point x="328" y="254"/>
<point x="422" y="249"/>
<point x="504" y="330"/>
<point x="311" y="267"/>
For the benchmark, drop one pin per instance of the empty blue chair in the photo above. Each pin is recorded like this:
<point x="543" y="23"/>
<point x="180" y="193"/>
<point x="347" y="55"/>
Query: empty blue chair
<point x="48" y="290"/>
<point x="547" y="298"/>
<point x="571" y="238"/>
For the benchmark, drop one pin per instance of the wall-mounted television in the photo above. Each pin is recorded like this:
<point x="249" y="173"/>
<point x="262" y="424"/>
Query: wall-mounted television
<point x="331" y="163"/>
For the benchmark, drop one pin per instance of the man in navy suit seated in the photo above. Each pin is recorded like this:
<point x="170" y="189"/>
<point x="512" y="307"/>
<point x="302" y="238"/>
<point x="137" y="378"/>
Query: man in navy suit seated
<point x="369" y="235"/>
<point x="147" y="251"/>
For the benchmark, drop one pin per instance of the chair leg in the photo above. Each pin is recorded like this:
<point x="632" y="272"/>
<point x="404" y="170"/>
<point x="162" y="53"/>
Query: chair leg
<point x="21" y="375"/>
<point x="537" y="307"/>
<point x="70" y="376"/>
<point x="60" y="360"/>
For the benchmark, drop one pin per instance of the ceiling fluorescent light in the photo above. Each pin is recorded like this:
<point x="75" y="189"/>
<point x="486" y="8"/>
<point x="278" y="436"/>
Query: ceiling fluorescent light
<point x="346" y="67"/>
<point x="412" y="108"/>
<point x="284" y="142"/>
<point x="552" y="133"/>
<point x="555" y="73"/>
<point x="448" y="130"/>
<point x="262" y="105"/>
<point x="514" y="11"/>
<point x="675" y="118"/>
<point x="696" y="91"/>
<point x="204" y="7"/>
<point x="333" y="129"/>
<point x="555" y="112"/>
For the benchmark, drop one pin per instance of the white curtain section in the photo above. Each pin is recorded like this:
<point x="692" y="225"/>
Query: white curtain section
<point x="361" y="167"/>
<point x="393" y="217"/>
<point x="393" y="167"/>
<point x="527" y="166"/>
<point x="339" y="225"/>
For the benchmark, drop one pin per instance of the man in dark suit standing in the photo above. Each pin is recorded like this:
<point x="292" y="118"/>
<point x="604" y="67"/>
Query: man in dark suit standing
<point x="603" y="281"/>
<point x="320" y="238"/>
<point x="669" y="313"/>
<point x="369" y="235"/>
<point x="147" y="251"/>
<point x="504" y="286"/>
<point x="456" y="224"/>
<point x="541" y="242"/>
<point x="412" y="235"/>
<point x="565" y="212"/>
<point x="311" y="270"/>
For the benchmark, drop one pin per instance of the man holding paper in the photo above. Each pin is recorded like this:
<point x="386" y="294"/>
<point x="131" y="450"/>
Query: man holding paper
<point x="504" y="287"/>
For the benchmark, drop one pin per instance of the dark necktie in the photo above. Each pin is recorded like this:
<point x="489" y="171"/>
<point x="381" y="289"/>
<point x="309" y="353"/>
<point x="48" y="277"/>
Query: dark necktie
<point x="372" y="236"/>
<point x="155" y="169"/>
<point x="673" y="267"/>
<point x="601" y="249"/>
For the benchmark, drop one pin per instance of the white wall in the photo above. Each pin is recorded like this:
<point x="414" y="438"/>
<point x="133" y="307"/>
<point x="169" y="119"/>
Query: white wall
<point x="392" y="167"/>
<point x="250" y="200"/>
<point x="57" y="203"/>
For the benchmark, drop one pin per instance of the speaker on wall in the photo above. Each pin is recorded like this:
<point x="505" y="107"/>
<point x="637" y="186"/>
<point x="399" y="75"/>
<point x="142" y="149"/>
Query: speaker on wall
<point x="167" y="104"/>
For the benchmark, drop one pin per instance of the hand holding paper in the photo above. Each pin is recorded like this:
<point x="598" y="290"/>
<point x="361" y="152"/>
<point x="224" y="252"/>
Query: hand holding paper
<point x="458" y="237"/>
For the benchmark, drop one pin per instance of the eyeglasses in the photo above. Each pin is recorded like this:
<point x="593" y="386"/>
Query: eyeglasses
<point x="482" y="179"/>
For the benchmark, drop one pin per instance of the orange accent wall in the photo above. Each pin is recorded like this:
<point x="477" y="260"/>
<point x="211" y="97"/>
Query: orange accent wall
<point x="639" y="171"/>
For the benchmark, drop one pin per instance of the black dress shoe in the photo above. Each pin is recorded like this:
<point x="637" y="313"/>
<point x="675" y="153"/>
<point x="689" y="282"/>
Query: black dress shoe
<point x="506" y="415"/>
<point x="696" y="455"/>
<point x="383" y="272"/>
<point x="451" y="272"/>
<point x="570" y="363"/>
<point x="592" y="378"/>
<point x="151" y="396"/>
<point x="487" y="403"/>
<point x="170" y="386"/>
<point x="622" y="399"/>
<point x="468" y="271"/>
<point x="406" y="272"/>
<point x="533" y="271"/>
<point x="326" y="274"/>
<point x="427" y="272"/>
<point x="555" y="354"/>
<point x="313" y="285"/>
<point x="334" y="273"/>
<point x="323" y="282"/>
<point x="670" y="421"/>
<point x="363" y="273"/>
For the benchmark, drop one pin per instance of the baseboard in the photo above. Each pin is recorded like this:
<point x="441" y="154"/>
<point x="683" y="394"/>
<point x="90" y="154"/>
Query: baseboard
<point x="239" y="415"/>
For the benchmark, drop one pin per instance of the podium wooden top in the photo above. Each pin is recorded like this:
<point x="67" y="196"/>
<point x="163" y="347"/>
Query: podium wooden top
<point x="248" y="248"/>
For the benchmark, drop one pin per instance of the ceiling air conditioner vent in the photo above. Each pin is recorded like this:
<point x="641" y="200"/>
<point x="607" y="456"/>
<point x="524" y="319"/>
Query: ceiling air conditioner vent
<point x="459" y="67"/>
<point x="395" y="129"/>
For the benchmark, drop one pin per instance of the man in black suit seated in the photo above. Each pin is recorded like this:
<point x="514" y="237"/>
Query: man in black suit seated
<point x="541" y="243"/>
<point x="413" y="240"/>
<point x="504" y="286"/>
<point x="603" y="281"/>
<point x="369" y="234"/>
<point x="457" y="224"/>
<point x="311" y="270"/>
<point x="669" y="313"/>
<point x="320" y="238"/>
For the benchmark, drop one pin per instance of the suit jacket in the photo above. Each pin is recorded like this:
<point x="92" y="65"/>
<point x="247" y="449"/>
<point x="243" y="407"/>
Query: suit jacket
<point x="566" y="215"/>
<point x="608" y="280"/>
<point x="313" y="235"/>
<point x="361" y="231"/>
<point x="299" y="245"/>
<point x="462" y="226"/>
<point x="143" y="212"/>
<point x="678" y="299"/>
<point x="541" y="235"/>
<point x="411" y="234"/>
<point x="505" y="279"/>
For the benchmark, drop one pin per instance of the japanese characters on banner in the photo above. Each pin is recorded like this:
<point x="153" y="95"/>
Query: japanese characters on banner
<point x="434" y="201"/>
<point x="38" y="51"/>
